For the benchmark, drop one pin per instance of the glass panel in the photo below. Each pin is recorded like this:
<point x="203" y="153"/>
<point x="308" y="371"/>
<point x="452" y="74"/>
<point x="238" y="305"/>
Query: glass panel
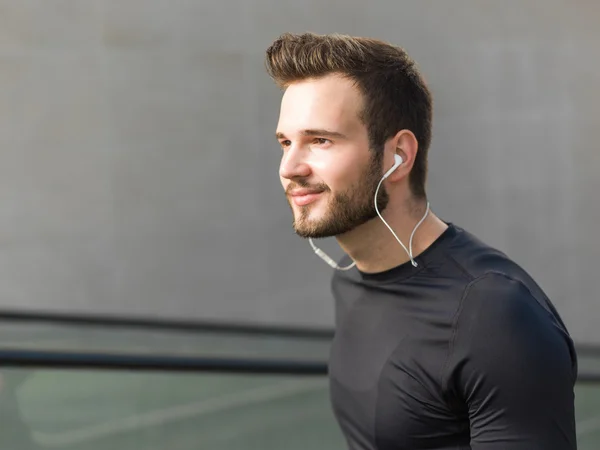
<point x="108" y="410"/>
<point x="588" y="416"/>
<point x="113" y="339"/>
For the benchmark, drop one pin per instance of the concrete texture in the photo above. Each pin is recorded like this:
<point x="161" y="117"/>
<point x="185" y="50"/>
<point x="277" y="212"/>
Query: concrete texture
<point x="138" y="168"/>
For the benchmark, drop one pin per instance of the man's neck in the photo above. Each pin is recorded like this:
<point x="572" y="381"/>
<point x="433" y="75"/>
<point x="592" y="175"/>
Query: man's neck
<point x="375" y="249"/>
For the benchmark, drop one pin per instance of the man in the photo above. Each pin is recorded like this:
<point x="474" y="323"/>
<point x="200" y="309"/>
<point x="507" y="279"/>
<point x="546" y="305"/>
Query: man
<point x="446" y="343"/>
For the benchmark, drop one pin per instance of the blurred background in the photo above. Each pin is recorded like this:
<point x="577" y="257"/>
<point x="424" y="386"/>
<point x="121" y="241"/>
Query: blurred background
<point x="138" y="164"/>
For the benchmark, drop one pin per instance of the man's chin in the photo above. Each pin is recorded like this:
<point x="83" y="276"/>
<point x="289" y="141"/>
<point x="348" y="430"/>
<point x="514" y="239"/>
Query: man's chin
<point x="311" y="233"/>
<point x="322" y="229"/>
<point x="317" y="231"/>
<point x="307" y="229"/>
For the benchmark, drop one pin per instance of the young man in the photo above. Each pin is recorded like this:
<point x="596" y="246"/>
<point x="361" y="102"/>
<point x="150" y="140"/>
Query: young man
<point x="442" y="344"/>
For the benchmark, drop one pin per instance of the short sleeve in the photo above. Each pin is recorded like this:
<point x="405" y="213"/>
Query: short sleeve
<point x="511" y="369"/>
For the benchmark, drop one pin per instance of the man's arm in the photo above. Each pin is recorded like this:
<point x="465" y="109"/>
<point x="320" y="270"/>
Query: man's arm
<point x="512" y="368"/>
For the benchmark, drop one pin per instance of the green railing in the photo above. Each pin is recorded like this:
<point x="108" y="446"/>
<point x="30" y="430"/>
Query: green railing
<point x="108" y="383"/>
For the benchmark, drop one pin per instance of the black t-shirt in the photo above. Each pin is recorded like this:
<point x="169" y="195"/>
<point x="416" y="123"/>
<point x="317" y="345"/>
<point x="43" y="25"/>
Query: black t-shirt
<point x="464" y="351"/>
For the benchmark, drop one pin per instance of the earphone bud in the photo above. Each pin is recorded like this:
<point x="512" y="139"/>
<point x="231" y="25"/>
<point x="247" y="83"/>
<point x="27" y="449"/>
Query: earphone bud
<point x="397" y="161"/>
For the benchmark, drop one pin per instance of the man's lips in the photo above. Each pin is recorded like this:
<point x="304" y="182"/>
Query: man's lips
<point x="303" y="197"/>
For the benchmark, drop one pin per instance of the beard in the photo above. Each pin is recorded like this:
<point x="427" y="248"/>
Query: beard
<point x="344" y="210"/>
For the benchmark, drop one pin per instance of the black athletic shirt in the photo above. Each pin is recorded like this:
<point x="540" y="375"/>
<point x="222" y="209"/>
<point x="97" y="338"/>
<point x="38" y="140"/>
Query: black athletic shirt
<point x="464" y="351"/>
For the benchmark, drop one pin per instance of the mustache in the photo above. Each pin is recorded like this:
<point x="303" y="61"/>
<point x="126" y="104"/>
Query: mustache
<point x="306" y="185"/>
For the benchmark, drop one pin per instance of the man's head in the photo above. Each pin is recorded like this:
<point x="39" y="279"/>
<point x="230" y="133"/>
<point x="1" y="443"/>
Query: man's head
<point x="348" y="101"/>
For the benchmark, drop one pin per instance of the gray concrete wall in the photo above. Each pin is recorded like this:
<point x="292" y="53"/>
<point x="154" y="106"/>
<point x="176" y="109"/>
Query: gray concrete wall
<point x="138" y="169"/>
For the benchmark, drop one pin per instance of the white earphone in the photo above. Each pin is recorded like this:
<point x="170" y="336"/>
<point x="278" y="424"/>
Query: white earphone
<point x="397" y="161"/>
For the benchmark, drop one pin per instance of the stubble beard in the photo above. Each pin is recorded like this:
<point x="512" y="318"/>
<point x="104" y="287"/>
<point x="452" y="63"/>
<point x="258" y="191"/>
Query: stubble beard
<point x="344" y="210"/>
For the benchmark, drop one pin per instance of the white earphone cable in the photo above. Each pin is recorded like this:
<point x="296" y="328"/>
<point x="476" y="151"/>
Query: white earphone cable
<point x="408" y="251"/>
<point x="325" y="257"/>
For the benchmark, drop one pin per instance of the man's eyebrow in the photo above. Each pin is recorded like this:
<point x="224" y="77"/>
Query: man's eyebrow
<point x="321" y="132"/>
<point x="315" y="132"/>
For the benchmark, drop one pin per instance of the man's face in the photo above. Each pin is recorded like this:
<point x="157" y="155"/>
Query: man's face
<point x="327" y="170"/>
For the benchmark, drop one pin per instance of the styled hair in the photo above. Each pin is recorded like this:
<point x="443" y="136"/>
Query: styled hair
<point x="395" y="94"/>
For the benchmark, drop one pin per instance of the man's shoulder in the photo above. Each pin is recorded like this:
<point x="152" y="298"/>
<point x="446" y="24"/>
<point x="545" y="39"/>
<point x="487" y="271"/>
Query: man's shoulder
<point x="484" y="263"/>
<point x="495" y="275"/>
<point x="476" y="257"/>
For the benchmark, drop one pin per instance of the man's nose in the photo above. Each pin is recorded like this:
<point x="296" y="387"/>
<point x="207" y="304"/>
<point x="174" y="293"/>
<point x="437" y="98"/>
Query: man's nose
<point x="294" y="165"/>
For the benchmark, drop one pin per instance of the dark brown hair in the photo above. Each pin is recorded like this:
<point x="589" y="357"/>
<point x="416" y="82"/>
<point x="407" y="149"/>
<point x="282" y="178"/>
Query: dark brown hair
<point x="395" y="94"/>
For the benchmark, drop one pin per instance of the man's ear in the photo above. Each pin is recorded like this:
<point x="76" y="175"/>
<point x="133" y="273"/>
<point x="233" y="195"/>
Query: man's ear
<point x="405" y="144"/>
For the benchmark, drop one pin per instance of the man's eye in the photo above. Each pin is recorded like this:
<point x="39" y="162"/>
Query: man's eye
<point x="285" y="144"/>
<point x="322" y="141"/>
